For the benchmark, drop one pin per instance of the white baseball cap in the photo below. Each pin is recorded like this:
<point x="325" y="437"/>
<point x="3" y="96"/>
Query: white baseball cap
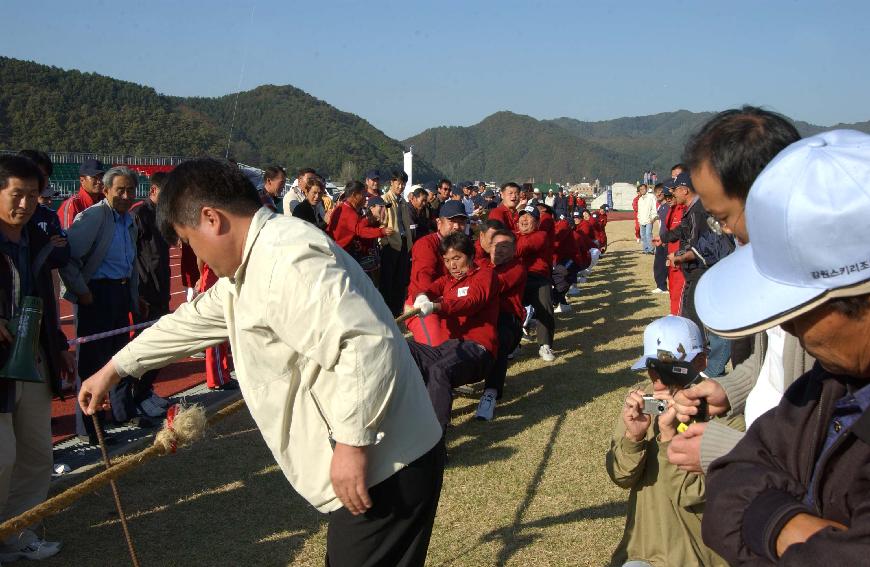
<point x="676" y="337"/>
<point x="808" y="218"/>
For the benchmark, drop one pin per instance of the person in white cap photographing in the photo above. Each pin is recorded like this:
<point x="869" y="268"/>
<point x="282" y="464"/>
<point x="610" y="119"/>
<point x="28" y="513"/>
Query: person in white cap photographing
<point x="663" y="524"/>
<point x="796" y="488"/>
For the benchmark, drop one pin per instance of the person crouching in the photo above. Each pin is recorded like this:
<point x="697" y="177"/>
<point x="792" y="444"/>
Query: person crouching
<point x="466" y="298"/>
<point x="665" y="505"/>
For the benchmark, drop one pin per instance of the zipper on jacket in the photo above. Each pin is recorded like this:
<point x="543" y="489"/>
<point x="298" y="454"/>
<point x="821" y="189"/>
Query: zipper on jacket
<point x="323" y="417"/>
<point x="812" y="464"/>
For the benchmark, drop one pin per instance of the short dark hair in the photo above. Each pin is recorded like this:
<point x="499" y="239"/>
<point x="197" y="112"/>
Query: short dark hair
<point x="304" y="171"/>
<point x="505" y="232"/>
<point x="353" y="188"/>
<point x="659" y="186"/>
<point x="317" y="181"/>
<point x="420" y="192"/>
<point x="203" y="182"/>
<point x="398" y="174"/>
<point x="458" y="241"/>
<point x="158" y="178"/>
<point x="679" y="166"/>
<point x="273" y="172"/>
<point x="509" y="184"/>
<point x="40" y="158"/>
<point x="490" y="224"/>
<point x="20" y="167"/>
<point x="739" y="143"/>
<point x="447" y="181"/>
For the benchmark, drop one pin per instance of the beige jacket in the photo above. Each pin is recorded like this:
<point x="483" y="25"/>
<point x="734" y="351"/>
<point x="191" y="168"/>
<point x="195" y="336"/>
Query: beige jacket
<point x="394" y="241"/>
<point x="321" y="365"/>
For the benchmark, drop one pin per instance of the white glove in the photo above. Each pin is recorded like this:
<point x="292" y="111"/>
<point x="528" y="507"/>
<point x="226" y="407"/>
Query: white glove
<point x="425" y="306"/>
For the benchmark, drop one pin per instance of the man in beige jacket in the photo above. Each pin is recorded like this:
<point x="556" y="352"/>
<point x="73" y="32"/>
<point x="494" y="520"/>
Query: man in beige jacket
<point x="396" y="248"/>
<point x="326" y="375"/>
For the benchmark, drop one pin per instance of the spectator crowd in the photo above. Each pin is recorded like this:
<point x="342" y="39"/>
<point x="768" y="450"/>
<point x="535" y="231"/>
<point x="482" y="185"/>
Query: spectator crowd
<point x="748" y="443"/>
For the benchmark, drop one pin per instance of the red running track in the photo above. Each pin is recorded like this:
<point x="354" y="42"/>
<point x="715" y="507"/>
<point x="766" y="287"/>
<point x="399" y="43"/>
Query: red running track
<point x="172" y="379"/>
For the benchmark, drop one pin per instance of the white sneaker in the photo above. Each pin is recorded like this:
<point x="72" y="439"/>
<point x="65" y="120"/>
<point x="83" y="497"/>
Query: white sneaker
<point x="546" y="353"/>
<point x="557" y="308"/>
<point x="36" y="549"/>
<point x="486" y="407"/>
<point x="656" y="290"/>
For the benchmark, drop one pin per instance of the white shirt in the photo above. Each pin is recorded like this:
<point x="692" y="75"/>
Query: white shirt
<point x="770" y="386"/>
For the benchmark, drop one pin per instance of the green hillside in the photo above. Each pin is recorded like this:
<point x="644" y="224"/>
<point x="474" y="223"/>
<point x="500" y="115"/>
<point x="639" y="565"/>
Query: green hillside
<point x="511" y="146"/>
<point x="507" y="145"/>
<point x="57" y="110"/>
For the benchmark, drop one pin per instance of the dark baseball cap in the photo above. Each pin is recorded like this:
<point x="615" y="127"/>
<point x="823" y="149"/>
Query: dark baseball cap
<point x="92" y="167"/>
<point x="683" y="180"/>
<point x="488" y="193"/>
<point x="456" y="191"/>
<point x="373" y="174"/>
<point x="452" y="209"/>
<point x="530" y="209"/>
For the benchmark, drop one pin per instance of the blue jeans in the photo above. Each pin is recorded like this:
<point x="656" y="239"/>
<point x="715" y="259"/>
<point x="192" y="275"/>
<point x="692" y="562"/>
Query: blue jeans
<point x="646" y="238"/>
<point x="720" y="352"/>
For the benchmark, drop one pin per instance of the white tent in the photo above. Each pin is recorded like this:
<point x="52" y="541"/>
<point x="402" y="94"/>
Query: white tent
<point x="623" y="195"/>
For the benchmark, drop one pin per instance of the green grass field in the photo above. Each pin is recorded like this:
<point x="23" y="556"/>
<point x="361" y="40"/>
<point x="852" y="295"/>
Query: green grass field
<point x="528" y="488"/>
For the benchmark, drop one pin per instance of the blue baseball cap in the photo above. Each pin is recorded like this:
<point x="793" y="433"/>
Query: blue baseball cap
<point x="452" y="209"/>
<point x="530" y="209"/>
<point x="683" y="180"/>
<point x="373" y="174"/>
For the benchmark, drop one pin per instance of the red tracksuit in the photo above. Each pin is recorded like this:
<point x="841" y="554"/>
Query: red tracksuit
<point x="511" y="278"/>
<point x="547" y="225"/>
<point x="469" y="306"/>
<point x="636" y="222"/>
<point x="676" y="279"/>
<point x="564" y="245"/>
<point x="505" y="215"/>
<point x="584" y="245"/>
<point x="347" y="226"/>
<point x="68" y="210"/>
<point x="535" y="251"/>
<point x="427" y="265"/>
<point x="217" y="368"/>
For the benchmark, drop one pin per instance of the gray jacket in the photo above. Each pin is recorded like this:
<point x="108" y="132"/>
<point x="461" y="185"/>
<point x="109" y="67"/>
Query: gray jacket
<point x="90" y="236"/>
<point x="718" y="440"/>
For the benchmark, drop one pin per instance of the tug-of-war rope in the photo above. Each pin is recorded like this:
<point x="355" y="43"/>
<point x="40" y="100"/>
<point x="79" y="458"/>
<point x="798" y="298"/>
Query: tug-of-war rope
<point x="182" y="426"/>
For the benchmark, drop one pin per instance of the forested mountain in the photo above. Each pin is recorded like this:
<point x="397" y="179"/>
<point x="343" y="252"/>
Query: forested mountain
<point x="512" y="146"/>
<point x="57" y="110"/>
<point x="611" y="150"/>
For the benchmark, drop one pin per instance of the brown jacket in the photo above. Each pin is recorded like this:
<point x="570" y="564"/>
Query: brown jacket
<point x="394" y="241"/>
<point x="755" y="489"/>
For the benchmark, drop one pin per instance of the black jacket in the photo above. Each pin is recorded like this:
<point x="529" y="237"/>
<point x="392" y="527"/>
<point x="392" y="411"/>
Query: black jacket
<point x="51" y="338"/>
<point x="692" y="226"/>
<point x="756" y="488"/>
<point x="307" y="212"/>
<point x="152" y="256"/>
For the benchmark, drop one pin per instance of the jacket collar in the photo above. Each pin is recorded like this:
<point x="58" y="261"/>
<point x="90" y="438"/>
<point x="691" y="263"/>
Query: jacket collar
<point x="257" y="223"/>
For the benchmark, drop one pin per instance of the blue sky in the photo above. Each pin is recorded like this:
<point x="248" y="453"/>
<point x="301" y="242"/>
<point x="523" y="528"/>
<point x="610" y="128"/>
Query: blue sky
<point x="407" y="66"/>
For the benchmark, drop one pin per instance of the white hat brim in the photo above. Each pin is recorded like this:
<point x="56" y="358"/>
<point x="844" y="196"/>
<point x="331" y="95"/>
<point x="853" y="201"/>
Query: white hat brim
<point x="733" y="299"/>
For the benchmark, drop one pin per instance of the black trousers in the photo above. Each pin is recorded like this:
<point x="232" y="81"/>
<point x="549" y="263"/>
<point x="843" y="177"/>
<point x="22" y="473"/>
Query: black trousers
<point x="110" y="310"/>
<point x="395" y="275"/>
<point x="397" y="528"/>
<point x="451" y="364"/>
<point x="563" y="277"/>
<point x="660" y="268"/>
<point x="538" y="294"/>
<point x="509" y="334"/>
<point x="157" y="307"/>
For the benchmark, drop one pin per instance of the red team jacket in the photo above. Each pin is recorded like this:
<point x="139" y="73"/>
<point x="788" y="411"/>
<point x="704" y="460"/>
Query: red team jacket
<point x="427" y="264"/>
<point x="468" y="310"/>
<point x="74" y="205"/>
<point x="535" y="251"/>
<point x="511" y="278"/>
<point x="506" y="216"/>
<point x="347" y="224"/>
